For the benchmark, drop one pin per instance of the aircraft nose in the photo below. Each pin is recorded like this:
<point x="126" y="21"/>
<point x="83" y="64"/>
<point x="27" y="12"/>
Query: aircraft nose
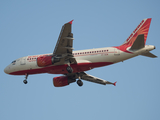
<point x="6" y="70"/>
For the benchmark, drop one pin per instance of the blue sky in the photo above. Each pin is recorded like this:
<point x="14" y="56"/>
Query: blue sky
<point x="32" y="27"/>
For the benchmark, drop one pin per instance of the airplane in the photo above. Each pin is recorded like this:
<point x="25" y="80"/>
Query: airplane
<point x="73" y="64"/>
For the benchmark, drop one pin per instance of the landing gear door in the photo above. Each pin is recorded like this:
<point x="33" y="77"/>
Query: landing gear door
<point x="23" y="61"/>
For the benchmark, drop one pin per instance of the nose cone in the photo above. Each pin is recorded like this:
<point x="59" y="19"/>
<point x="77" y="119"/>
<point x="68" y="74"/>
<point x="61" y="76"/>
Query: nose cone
<point x="6" y="70"/>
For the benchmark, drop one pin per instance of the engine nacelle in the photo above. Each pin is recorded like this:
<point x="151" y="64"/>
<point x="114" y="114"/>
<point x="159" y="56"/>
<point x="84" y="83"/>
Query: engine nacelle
<point x="46" y="60"/>
<point x="62" y="81"/>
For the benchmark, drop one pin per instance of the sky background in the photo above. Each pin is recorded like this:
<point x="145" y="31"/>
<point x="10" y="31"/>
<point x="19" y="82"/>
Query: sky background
<point x="31" y="27"/>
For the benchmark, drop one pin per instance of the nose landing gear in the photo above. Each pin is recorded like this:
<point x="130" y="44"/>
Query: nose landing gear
<point x="25" y="81"/>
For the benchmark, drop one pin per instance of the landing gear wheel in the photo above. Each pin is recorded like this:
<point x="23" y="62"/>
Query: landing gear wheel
<point x="25" y="81"/>
<point x="79" y="82"/>
<point x="69" y="69"/>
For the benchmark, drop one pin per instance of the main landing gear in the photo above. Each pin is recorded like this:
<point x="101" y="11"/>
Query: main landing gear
<point x="69" y="69"/>
<point x="79" y="82"/>
<point x="25" y="81"/>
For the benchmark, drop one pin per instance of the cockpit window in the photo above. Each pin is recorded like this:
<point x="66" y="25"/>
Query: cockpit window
<point x="14" y="62"/>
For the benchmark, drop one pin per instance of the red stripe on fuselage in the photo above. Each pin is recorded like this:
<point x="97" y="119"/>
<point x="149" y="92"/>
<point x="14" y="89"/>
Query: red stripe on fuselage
<point x="123" y="48"/>
<point x="61" y="69"/>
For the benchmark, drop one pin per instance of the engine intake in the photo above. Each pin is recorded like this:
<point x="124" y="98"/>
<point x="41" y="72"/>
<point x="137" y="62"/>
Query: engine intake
<point x="62" y="81"/>
<point x="43" y="61"/>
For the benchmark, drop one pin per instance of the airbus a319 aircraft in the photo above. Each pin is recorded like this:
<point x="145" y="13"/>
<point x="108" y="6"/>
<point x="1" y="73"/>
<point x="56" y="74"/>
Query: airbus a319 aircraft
<point x="73" y="64"/>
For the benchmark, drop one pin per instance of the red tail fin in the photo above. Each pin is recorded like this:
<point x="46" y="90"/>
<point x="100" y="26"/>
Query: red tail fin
<point x="142" y="28"/>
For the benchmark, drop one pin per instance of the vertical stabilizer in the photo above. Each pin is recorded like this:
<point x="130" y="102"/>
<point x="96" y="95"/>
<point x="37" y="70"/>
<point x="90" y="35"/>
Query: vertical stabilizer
<point x="142" y="28"/>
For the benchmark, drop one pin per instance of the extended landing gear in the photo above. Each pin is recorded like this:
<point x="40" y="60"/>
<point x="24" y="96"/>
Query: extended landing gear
<point x="79" y="82"/>
<point x="69" y="69"/>
<point x="25" y="81"/>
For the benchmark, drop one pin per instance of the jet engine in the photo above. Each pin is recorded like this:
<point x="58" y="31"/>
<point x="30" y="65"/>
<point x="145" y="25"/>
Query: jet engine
<point x="46" y="60"/>
<point x="62" y="81"/>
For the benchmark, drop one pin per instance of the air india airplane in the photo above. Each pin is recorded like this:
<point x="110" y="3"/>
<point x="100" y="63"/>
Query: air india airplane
<point x="73" y="64"/>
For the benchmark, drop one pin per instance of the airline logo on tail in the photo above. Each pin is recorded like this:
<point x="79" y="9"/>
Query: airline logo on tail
<point x="142" y="28"/>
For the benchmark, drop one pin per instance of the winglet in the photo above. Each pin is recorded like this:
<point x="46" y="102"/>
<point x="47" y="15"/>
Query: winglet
<point x="114" y="83"/>
<point x="70" y="22"/>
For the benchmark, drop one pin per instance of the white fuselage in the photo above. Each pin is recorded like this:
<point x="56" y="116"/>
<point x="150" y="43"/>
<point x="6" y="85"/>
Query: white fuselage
<point x="99" y="55"/>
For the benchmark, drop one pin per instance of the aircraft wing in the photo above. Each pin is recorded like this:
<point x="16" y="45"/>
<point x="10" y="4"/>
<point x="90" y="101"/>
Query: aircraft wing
<point x="64" y="44"/>
<point x="87" y="77"/>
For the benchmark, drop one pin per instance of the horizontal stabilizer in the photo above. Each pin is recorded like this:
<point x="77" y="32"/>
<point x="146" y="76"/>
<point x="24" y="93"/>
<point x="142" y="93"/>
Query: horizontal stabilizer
<point x="138" y="43"/>
<point x="148" y="54"/>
